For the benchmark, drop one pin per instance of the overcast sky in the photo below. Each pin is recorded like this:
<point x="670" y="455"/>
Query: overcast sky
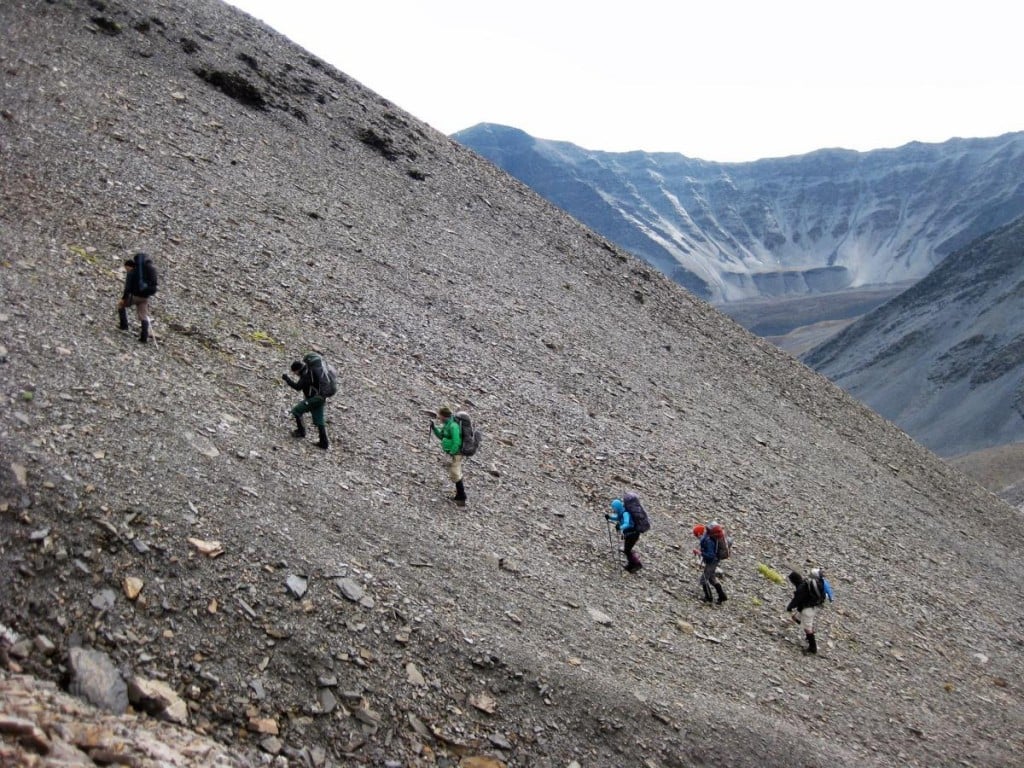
<point x="724" y="80"/>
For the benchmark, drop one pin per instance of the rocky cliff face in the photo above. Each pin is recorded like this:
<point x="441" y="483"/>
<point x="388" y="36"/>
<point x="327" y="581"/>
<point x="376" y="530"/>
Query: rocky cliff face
<point x="945" y="359"/>
<point x="818" y="223"/>
<point x="333" y="607"/>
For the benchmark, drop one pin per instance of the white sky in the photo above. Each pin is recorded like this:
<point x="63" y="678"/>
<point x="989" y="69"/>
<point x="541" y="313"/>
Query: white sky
<point x="723" y="80"/>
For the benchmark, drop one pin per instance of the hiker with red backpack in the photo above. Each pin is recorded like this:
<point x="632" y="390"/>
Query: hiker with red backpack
<point x="631" y="520"/>
<point x="808" y="596"/>
<point x="713" y="547"/>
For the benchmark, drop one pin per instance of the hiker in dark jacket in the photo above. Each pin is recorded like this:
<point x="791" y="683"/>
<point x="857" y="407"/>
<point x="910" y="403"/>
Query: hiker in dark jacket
<point x="312" y="403"/>
<point x="450" y="435"/>
<point x="808" y="596"/>
<point x="140" y="285"/>
<point x="626" y="525"/>
<point x="708" y="550"/>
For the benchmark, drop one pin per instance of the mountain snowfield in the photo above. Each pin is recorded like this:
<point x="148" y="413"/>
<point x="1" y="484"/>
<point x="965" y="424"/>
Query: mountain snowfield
<point x="349" y="613"/>
<point x="828" y="221"/>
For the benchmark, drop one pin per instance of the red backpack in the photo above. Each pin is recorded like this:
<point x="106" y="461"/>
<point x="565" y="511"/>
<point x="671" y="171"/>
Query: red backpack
<point x="722" y="541"/>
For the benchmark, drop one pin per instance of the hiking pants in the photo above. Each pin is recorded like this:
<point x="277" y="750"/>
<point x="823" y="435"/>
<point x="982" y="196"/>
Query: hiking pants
<point x="141" y="304"/>
<point x="806" y="617"/>
<point x="312" y="405"/>
<point x="710" y="577"/>
<point x="455" y="467"/>
<point x="629" y="541"/>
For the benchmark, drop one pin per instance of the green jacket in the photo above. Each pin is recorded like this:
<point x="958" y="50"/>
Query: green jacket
<point x="451" y="436"/>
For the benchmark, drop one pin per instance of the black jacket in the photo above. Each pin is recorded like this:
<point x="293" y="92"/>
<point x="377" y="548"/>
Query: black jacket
<point x="805" y="595"/>
<point x="305" y="383"/>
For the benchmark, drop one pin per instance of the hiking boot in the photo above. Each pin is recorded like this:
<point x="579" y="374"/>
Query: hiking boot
<point x="299" y="431"/>
<point x="460" y="494"/>
<point x="324" y="442"/>
<point x="634" y="567"/>
<point x="144" y="335"/>
<point x="122" y="316"/>
<point x="721" y="594"/>
<point x="812" y="644"/>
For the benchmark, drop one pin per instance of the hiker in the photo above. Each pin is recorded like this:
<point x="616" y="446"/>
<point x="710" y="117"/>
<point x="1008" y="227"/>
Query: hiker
<point x="450" y="435"/>
<point x="140" y="285"/>
<point x="808" y="595"/>
<point x="626" y="524"/>
<point x="709" y="548"/>
<point x="313" y="402"/>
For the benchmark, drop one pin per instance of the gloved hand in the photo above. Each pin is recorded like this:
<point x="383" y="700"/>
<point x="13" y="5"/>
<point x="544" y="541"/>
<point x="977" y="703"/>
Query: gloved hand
<point x="285" y="377"/>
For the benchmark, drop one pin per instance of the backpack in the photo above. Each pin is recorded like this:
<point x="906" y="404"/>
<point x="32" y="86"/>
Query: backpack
<point x="723" y="543"/>
<point x="145" y="276"/>
<point x="470" y="436"/>
<point x="325" y="378"/>
<point x="641" y="523"/>
<point x="819" y="588"/>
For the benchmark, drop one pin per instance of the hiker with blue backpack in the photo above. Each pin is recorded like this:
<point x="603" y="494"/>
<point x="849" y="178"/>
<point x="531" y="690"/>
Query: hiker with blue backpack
<point x="713" y="547"/>
<point x="631" y="520"/>
<point x="317" y="381"/>
<point x="808" y="596"/>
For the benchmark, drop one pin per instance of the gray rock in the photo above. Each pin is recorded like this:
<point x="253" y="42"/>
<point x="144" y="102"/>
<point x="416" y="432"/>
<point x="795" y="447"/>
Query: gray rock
<point x="95" y="679"/>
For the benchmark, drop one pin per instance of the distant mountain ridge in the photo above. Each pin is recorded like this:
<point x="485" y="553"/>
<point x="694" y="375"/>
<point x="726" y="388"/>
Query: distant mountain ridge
<point x="823" y="222"/>
<point x="945" y="359"/>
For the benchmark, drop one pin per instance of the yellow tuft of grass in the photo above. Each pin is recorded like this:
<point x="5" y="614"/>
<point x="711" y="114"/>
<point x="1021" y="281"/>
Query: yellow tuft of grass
<point x="771" y="574"/>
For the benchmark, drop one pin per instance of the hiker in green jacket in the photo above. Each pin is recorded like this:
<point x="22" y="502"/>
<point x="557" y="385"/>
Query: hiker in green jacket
<point x="450" y="435"/>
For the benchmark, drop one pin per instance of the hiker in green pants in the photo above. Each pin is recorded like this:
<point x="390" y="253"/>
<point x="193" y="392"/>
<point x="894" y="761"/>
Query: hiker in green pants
<point x="312" y="403"/>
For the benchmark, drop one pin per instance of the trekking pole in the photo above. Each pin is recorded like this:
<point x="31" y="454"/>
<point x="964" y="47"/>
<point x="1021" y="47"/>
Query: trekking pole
<point x="611" y="541"/>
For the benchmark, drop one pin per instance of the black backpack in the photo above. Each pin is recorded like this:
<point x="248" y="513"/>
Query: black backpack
<point x="470" y="436"/>
<point x="144" y="276"/>
<point x="325" y="378"/>
<point x="641" y="523"/>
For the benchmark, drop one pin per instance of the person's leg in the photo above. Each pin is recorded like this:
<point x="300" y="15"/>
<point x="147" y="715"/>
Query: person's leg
<point x="299" y="409"/>
<point x="317" y="411"/>
<point x="807" y="621"/>
<point x="455" y="474"/>
<point x="706" y="581"/>
<point x="141" y="304"/>
<point x="632" y="561"/>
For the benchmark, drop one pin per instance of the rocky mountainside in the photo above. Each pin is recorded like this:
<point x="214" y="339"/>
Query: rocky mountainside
<point x="166" y="543"/>
<point x="945" y="359"/>
<point x="820" y="223"/>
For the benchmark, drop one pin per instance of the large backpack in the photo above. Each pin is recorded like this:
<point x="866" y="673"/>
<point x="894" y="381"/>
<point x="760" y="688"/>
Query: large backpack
<point x="144" y="276"/>
<point x="470" y="436"/>
<point x="818" y="589"/>
<point x="325" y="378"/>
<point x="641" y="523"/>
<point x="723" y="544"/>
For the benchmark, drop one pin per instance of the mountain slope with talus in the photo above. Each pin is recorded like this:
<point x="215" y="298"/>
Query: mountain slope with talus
<point x="944" y="359"/>
<point x="289" y="208"/>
